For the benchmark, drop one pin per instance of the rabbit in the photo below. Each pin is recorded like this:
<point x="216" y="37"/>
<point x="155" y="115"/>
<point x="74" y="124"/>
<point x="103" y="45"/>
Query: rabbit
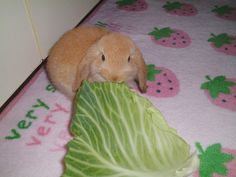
<point x="94" y="54"/>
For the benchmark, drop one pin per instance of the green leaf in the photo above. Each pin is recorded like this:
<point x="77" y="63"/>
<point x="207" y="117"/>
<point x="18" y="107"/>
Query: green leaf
<point x="221" y="39"/>
<point x="160" y="33"/>
<point x="217" y="86"/>
<point x="118" y="133"/>
<point x="125" y="2"/>
<point x="205" y="171"/>
<point x="213" y="160"/>
<point x="151" y="72"/>
<point x="223" y="10"/>
<point x="221" y="170"/>
<point x="169" y="6"/>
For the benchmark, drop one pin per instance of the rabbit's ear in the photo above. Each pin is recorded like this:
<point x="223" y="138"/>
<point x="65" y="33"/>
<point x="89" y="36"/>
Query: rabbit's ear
<point x="142" y="71"/>
<point x="83" y="68"/>
<point x="82" y="73"/>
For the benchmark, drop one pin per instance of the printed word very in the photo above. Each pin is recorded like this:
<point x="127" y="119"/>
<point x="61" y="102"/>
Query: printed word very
<point x="61" y="141"/>
<point x="46" y="125"/>
<point x="26" y="123"/>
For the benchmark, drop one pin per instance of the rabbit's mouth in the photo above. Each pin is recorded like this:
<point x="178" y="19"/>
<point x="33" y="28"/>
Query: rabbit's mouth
<point x="96" y="77"/>
<point x="99" y="78"/>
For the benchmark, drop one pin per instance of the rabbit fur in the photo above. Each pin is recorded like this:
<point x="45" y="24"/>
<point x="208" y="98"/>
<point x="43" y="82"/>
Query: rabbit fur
<point x="94" y="54"/>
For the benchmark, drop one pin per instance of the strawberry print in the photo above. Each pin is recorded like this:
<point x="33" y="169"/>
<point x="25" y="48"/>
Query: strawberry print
<point x="168" y="37"/>
<point x="231" y="166"/>
<point x="216" y="161"/>
<point x="132" y="5"/>
<point x="181" y="9"/>
<point x="161" y="82"/>
<point x="226" y="12"/>
<point x="110" y="26"/>
<point x="221" y="91"/>
<point x="224" y="43"/>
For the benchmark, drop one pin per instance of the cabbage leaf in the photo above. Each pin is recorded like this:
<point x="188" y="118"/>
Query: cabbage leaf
<point x="118" y="133"/>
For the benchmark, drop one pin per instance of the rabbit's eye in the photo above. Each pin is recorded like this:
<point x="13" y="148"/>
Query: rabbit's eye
<point x="103" y="58"/>
<point x="129" y="59"/>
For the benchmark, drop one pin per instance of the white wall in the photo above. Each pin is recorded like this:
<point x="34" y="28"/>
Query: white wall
<point x="18" y="53"/>
<point x="28" y="28"/>
<point x="53" y="17"/>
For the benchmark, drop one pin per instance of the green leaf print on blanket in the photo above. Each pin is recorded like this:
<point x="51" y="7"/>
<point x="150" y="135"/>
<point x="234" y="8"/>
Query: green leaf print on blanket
<point x="180" y="9"/>
<point x="223" y="43"/>
<point x="226" y="12"/>
<point x="216" y="160"/>
<point x="132" y="5"/>
<point x="221" y="91"/>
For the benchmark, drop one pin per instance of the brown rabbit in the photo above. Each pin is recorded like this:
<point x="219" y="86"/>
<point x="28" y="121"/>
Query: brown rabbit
<point x="94" y="54"/>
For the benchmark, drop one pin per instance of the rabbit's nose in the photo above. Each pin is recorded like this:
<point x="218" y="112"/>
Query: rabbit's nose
<point x="114" y="78"/>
